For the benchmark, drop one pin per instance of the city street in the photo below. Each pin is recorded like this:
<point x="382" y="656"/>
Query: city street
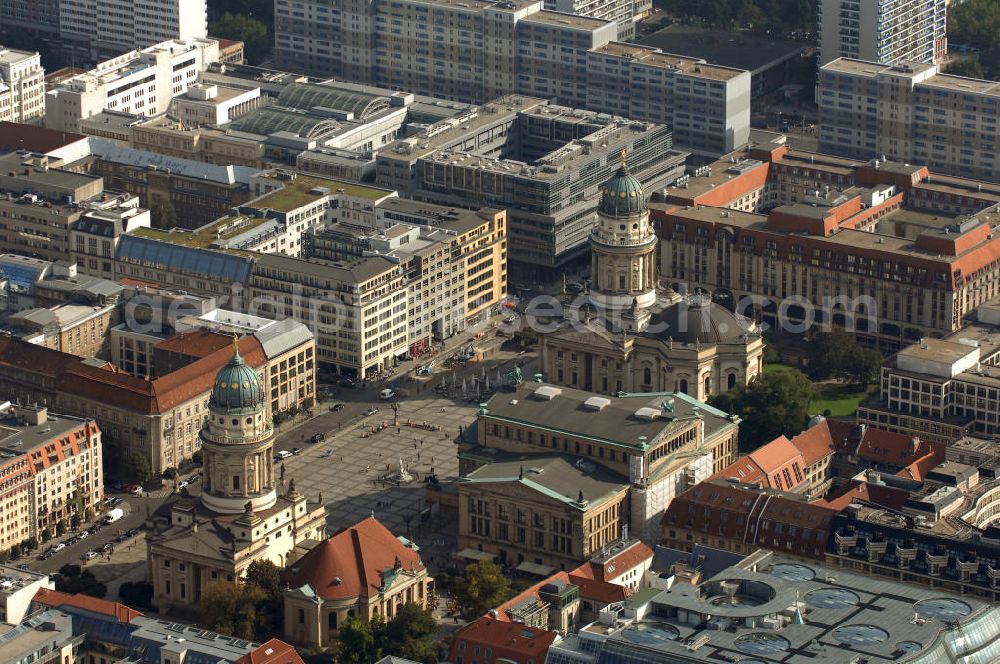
<point x="137" y="511"/>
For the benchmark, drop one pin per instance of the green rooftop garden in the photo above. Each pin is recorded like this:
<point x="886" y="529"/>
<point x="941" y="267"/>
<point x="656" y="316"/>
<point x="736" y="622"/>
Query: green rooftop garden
<point x="295" y="193"/>
<point x="203" y="237"/>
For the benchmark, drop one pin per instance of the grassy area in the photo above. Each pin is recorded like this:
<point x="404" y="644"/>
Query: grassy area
<point x="206" y="235"/>
<point x="296" y="193"/>
<point x="841" y="400"/>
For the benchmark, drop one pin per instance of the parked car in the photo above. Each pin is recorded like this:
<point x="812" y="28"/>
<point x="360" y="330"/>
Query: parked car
<point x="371" y="411"/>
<point x="318" y="437"/>
<point x="326" y="454"/>
<point x="58" y="547"/>
<point x="83" y="534"/>
<point x="114" y="501"/>
<point x="90" y="555"/>
<point x="194" y="478"/>
<point x="183" y="485"/>
<point x="386" y="394"/>
<point x="281" y="455"/>
<point x="337" y="407"/>
<point x="296" y="450"/>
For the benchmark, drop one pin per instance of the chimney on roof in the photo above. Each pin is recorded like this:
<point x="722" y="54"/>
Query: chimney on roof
<point x="35" y="415"/>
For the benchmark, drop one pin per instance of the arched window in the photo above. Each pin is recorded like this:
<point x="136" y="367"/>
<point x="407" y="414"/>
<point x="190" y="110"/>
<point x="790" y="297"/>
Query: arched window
<point x="731" y="382"/>
<point x="647" y="376"/>
<point x="683" y="386"/>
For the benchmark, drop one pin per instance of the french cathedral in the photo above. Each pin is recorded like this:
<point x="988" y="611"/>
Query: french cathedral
<point x="630" y="335"/>
<point x="240" y="516"/>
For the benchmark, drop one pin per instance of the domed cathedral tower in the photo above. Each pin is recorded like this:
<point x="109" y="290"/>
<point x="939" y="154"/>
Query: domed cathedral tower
<point x="237" y="441"/>
<point x="239" y="517"/>
<point x="623" y="252"/>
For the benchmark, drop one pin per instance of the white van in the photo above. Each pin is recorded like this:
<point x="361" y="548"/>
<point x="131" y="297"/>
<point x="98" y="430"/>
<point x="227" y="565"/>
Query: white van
<point x="386" y="394"/>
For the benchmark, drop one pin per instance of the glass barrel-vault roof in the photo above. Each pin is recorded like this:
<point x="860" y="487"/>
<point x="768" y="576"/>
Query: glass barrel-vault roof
<point x="313" y="95"/>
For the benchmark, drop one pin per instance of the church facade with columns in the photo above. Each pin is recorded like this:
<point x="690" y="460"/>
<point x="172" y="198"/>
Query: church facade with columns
<point x="244" y="512"/>
<point x="630" y="335"/>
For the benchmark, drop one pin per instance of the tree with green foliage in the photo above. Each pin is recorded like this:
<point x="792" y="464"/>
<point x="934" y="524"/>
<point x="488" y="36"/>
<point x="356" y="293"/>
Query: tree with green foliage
<point x="970" y="67"/>
<point x="838" y="354"/>
<point x="480" y="588"/>
<point x="197" y="457"/>
<point x="265" y="575"/>
<point x="976" y="23"/>
<point x="162" y="214"/>
<point x="72" y="579"/>
<point x="241" y="27"/>
<point x="231" y="608"/>
<point x="773" y="18"/>
<point x="410" y="634"/>
<point x="136" y="593"/>
<point x="138" y="468"/>
<point x="361" y="642"/>
<point x="169" y="473"/>
<point x="773" y="404"/>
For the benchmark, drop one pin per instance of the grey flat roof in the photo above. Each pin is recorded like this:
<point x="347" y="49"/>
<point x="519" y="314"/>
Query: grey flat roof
<point x="16" y="438"/>
<point x="720" y="47"/>
<point x="280" y="336"/>
<point x="557" y="476"/>
<point x="615" y="423"/>
<point x="356" y="271"/>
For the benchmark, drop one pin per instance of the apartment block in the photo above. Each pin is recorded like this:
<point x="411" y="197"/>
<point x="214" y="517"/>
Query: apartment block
<point x="545" y="164"/>
<point x="478" y="51"/>
<point x="886" y="31"/>
<point x="52" y="466"/>
<point x="625" y="13"/>
<point x="22" y="85"/>
<point x="801" y="240"/>
<point x="142" y="82"/>
<point x="114" y="26"/>
<point x="910" y="113"/>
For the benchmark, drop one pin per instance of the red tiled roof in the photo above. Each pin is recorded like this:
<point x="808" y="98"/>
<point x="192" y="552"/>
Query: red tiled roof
<point x="18" y="136"/>
<point x="883" y="447"/>
<point x="357" y="556"/>
<point x="766" y="466"/>
<point x="616" y="565"/>
<point x="857" y="491"/>
<point x="196" y="343"/>
<point x="815" y="443"/>
<point x="599" y="591"/>
<point x="69" y="374"/>
<point x="274" y="651"/>
<point x="57" y="599"/>
<point x="513" y="642"/>
<point x="722" y="509"/>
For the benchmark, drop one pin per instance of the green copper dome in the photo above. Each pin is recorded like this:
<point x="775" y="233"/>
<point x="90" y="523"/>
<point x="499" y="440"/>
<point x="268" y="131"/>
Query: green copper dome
<point x="622" y="196"/>
<point x="237" y="387"/>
